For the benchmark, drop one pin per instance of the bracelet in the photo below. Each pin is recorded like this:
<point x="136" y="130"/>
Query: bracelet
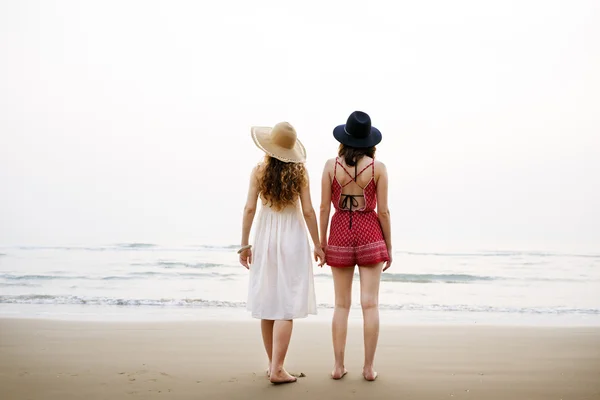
<point x="246" y="247"/>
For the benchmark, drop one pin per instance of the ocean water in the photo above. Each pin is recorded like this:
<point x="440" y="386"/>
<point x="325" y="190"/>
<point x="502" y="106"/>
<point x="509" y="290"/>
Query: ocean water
<point x="147" y="281"/>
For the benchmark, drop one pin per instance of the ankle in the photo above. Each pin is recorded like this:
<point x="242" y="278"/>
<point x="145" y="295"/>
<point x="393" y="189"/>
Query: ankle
<point x="276" y="368"/>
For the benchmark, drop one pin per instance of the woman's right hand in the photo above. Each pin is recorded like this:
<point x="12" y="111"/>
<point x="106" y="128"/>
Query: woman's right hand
<point x="388" y="263"/>
<point x="319" y="253"/>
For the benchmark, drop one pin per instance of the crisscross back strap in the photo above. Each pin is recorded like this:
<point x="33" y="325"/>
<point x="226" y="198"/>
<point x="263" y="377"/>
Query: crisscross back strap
<point x="356" y="174"/>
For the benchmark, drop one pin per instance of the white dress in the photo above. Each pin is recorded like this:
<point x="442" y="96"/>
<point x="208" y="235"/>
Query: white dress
<point x="281" y="277"/>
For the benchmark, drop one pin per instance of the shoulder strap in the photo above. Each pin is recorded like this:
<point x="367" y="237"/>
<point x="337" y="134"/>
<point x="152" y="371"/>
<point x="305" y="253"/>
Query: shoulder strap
<point x="345" y="170"/>
<point x="363" y="170"/>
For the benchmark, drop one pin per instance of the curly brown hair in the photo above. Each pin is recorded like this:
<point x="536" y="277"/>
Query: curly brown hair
<point x="352" y="155"/>
<point x="280" y="182"/>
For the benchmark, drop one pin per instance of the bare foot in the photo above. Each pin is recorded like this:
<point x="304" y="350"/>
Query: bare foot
<point x="281" y="376"/>
<point x="369" y="374"/>
<point x="338" y="373"/>
<point x="269" y="372"/>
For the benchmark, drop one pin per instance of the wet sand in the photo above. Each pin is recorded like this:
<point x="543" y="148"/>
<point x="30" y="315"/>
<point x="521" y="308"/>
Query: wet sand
<point x="58" y="360"/>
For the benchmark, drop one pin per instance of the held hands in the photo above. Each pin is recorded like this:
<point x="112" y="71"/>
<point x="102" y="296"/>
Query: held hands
<point x="246" y="258"/>
<point x="319" y="254"/>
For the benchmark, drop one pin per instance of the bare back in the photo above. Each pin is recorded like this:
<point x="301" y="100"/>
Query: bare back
<point x="354" y="179"/>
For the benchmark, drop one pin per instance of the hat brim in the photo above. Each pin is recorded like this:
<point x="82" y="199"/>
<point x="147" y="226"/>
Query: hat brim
<point x="262" y="138"/>
<point x="339" y="133"/>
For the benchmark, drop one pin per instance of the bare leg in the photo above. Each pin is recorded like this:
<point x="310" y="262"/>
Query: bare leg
<point x="369" y="301"/>
<point x="282" y="332"/>
<point x="342" y="282"/>
<point x="266" y="327"/>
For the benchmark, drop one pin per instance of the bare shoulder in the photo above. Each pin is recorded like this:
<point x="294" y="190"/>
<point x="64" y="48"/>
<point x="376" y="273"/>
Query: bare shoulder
<point x="330" y="162"/>
<point x="306" y="173"/>
<point x="380" y="165"/>
<point x="380" y="170"/>
<point x="329" y="165"/>
<point x="257" y="170"/>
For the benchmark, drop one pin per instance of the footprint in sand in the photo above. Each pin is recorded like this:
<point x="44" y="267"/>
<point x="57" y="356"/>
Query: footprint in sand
<point x="132" y="376"/>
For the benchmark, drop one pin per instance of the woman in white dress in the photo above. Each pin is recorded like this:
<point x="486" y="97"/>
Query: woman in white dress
<point x="281" y="280"/>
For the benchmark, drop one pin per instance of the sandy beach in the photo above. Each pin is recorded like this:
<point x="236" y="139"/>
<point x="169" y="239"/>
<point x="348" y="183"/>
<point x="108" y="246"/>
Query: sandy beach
<point x="42" y="359"/>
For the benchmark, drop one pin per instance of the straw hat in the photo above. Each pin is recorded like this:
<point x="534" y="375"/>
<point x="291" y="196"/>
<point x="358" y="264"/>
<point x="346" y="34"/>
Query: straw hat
<point x="279" y="142"/>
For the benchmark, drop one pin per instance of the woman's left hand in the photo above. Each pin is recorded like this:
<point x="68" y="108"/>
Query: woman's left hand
<point x="246" y="258"/>
<point x="319" y="255"/>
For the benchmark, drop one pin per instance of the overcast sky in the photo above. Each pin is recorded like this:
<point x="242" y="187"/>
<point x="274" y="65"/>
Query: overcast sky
<point x="126" y="121"/>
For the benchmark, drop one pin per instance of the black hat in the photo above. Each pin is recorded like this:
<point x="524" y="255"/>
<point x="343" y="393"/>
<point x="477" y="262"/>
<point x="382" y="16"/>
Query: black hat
<point x="357" y="132"/>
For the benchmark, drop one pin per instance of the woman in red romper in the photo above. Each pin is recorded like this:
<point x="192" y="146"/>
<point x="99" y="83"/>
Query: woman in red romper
<point x="357" y="185"/>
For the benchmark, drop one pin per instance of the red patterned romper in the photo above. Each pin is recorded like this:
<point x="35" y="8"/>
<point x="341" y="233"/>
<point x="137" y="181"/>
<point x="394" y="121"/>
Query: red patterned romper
<point x="355" y="236"/>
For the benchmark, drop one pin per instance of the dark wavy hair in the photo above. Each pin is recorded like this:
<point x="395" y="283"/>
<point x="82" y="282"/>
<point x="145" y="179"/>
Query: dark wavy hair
<point x="352" y="155"/>
<point x="280" y="182"/>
